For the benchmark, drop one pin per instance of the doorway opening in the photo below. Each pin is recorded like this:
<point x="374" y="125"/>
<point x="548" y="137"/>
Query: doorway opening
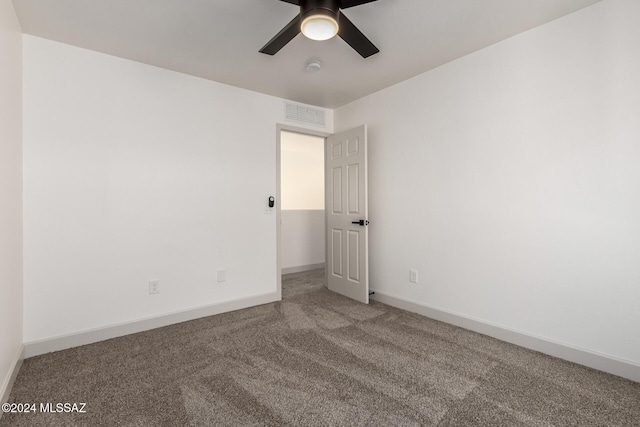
<point x="345" y="209"/>
<point x="302" y="202"/>
<point x="301" y="199"/>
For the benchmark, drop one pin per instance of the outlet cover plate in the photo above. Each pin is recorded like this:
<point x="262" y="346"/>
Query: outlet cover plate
<point x="413" y="276"/>
<point x="154" y="287"/>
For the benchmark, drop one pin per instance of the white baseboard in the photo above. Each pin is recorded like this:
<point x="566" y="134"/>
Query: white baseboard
<point x="602" y="362"/>
<point x="301" y="268"/>
<point x="7" y="385"/>
<point x="48" y="345"/>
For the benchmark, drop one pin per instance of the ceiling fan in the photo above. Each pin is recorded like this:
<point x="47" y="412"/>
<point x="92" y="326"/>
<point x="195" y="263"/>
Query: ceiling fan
<point x="321" y="20"/>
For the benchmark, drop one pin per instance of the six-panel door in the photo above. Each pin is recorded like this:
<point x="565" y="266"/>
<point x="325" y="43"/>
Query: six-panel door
<point x="346" y="205"/>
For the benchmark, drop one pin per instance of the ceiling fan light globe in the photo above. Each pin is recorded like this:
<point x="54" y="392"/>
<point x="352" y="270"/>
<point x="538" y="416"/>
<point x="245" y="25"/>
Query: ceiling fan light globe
<point x="319" y="27"/>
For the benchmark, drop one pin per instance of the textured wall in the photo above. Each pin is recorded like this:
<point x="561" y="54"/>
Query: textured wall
<point x="510" y="180"/>
<point x="10" y="191"/>
<point x="135" y="173"/>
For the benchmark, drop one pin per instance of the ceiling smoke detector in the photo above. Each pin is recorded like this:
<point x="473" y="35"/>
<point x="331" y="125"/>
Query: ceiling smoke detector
<point x="313" y="67"/>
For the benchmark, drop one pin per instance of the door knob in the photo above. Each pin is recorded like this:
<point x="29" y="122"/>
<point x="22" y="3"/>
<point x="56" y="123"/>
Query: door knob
<point x="361" y="222"/>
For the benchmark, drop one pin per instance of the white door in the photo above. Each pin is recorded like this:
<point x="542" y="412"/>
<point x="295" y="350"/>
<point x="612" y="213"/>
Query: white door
<point x="346" y="211"/>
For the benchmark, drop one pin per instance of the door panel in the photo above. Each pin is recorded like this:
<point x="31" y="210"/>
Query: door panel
<point x="337" y="191"/>
<point x="346" y="200"/>
<point x="336" y="255"/>
<point x="336" y="150"/>
<point x="354" y="249"/>
<point x="353" y="174"/>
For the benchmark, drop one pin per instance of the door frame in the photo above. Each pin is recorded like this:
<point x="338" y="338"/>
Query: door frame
<point x="305" y="131"/>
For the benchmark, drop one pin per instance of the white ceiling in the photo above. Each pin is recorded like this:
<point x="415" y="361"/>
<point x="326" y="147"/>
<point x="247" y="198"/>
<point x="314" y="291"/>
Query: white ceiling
<point x="219" y="39"/>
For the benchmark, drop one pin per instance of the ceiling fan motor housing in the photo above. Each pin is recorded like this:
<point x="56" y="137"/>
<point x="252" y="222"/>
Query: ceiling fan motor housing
<point x="322" y="20"/>
<point x="330" y="8"/>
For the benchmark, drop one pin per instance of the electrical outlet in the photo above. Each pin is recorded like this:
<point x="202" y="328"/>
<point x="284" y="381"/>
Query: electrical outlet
<point x="222" y="275"/>
<point x="154" y="287"/>
<point x="413" y="276"/>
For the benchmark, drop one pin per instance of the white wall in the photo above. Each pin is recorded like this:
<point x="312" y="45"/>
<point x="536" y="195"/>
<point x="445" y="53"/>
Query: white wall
<point x="10" y="192"/>
<point x="301" y="171"/>
<point x="135" y="173"/>
<point x="302" y="238"/>
<point x="511" y="180"/>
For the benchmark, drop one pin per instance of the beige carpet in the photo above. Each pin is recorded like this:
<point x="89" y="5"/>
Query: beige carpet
<point x="318" y="359"/>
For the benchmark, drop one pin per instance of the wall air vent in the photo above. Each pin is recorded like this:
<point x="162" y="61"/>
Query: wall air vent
<point x="305" y="114"/>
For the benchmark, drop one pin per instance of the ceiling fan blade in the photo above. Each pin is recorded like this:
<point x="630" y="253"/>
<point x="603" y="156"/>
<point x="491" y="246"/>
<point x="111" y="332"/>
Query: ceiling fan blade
<point x="350" y="3"/>
<point x="297" y="2"/>
<point x="354" y="37"/>
<point x="283" y="37"/>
